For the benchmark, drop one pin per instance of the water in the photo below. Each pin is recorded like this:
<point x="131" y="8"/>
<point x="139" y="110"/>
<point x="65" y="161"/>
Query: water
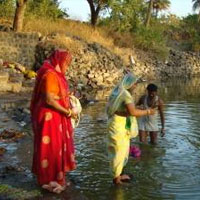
<point x="169" y="170"/>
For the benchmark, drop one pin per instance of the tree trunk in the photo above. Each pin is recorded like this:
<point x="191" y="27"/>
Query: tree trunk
<point x="157" y="13"/>
<point x="149" y="13"/>
<point x="199" y="16"/>
<point x="19" y="15"/>
<point x="94" y="12"/>
<point x="94" y="17"/>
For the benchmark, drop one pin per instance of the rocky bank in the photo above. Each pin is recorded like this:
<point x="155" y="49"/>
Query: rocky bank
<point x="93" y="68"/>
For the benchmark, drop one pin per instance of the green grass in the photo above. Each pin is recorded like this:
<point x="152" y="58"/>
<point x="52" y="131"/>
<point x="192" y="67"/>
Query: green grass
<point x="10" y="192"/>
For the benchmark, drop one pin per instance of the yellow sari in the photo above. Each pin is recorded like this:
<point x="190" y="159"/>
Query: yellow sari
<point x="120" y="129"/>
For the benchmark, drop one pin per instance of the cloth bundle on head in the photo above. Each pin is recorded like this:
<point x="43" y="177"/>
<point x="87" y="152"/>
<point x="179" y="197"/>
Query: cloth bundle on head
<point x="115" y="98"/>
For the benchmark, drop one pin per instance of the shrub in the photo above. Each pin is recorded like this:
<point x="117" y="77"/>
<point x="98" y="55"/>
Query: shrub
<point x="151" y="39"/>
<point x="7" y="8"/>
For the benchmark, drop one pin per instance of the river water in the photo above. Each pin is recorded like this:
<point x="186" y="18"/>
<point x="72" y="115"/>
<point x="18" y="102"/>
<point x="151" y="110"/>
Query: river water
<point x="169" y="170"/>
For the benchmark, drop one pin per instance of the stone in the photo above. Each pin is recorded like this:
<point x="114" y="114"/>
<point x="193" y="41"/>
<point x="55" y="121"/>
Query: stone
<point x="16" y="77"/>
<point x="16" y="87"/>
<point x="5" y="87"/>
<point x="98" y="79"/>
<point x="1" y="62"/>
<point x="90" y="76"/>
<point x="4" y="76"/>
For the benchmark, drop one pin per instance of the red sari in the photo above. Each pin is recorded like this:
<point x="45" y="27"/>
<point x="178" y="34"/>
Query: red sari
<point x="53" y="132"/>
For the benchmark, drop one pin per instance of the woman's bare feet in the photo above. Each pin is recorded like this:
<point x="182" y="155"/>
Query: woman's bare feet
<point x="117" y="180"/>
<point x="47" y="187"/>
<point x="125" y="177"/>
<point x="55" y="187"/>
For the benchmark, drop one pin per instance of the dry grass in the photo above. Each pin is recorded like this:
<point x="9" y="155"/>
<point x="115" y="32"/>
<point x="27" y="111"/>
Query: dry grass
<point x="115" y="42"/>
<point x="75" y="28"/>
<point x="60" y="40"/>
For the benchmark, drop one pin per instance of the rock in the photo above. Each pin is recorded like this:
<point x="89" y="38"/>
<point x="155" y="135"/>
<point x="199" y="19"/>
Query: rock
<point x="16" y="77"/>
<point x="90" y="76"/>
<point x="1" y="63"/>
<point x="5" y="87"/>
<point x="11" y="134"/>
<point x="4" y="76"/>
<point x="2" y="151"/>
<point x="16" y="86"/>
<point x="28" y="83"/>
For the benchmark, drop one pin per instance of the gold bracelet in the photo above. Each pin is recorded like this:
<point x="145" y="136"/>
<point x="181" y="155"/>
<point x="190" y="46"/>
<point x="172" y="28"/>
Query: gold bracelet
<point x="148" y="112"/>
<point x="69" y="113"/>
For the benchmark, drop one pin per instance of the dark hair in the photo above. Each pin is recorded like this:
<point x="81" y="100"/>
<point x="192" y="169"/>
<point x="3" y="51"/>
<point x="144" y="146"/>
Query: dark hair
<point x="152" y="87"/>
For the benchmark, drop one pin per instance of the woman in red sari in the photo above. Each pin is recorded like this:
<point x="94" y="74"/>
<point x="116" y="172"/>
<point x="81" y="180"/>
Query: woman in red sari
<point x="51" y="118"/>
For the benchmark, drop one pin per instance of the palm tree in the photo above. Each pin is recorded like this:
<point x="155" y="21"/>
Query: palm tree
<point x="196" y="6"/>
<point x="160" y="5"/>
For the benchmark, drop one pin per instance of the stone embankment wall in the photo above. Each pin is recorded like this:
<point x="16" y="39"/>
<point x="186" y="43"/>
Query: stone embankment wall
<point x="93" y="66"/>
<point x="18" y="47"/>
<point x="179" y="64"/>
<point x="8" y="85"/>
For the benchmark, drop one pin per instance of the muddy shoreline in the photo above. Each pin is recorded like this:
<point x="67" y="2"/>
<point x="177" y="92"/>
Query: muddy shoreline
<point x="16" y="179"/>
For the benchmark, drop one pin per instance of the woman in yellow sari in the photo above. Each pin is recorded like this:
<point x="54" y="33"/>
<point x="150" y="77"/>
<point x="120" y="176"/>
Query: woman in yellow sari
<point x="122" y="125"/>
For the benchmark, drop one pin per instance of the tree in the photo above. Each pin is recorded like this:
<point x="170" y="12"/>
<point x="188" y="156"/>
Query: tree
<point x="159" y="5"/>
<point x="127" y="15"/>
<point x="19" y="15"/>
<point x="7" y="8"/>
<point x="149" y="11"/>
<point x="46" y="8"/>
<point x="95" y="7"/>
<point x="196" y="6"/>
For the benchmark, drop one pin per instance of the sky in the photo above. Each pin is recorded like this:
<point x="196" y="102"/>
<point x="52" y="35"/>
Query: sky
<point x="79" y="9"/>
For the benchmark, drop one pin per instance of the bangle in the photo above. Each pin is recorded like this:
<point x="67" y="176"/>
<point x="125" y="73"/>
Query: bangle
<point x="69" y="113"/>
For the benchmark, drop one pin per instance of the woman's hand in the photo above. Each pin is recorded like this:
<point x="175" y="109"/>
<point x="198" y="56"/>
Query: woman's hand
<point x="151" y="111"/>
<point x="71" y="113"/>
<point x="74" y="114"/>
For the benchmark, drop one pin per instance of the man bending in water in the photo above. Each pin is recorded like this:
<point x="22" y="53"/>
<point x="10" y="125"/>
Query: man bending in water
<point x="149" y="124"/>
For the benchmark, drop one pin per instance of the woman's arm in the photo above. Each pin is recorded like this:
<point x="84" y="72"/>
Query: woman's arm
<point x="54" y="104"/>
<point x="138" y="112"/>
<point x="50" y="88"/>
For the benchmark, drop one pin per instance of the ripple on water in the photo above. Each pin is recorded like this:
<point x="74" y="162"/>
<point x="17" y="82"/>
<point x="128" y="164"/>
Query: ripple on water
<point x="168" y="171"/>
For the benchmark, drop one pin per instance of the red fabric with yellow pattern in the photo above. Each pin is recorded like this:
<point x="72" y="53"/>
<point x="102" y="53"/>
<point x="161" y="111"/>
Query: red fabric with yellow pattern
<point x="53" y="132"/>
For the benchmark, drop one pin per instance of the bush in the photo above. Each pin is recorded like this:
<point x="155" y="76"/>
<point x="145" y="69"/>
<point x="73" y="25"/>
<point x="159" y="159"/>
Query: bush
<point x="45" y="8"/>
<point x="151" y="39"/>
<point x="7" y="8"/>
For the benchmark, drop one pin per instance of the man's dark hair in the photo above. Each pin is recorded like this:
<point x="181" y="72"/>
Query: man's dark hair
<point x="152" y="87"/>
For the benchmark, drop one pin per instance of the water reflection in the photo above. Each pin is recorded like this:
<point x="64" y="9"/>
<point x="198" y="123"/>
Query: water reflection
<point x="168" y="171"/>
